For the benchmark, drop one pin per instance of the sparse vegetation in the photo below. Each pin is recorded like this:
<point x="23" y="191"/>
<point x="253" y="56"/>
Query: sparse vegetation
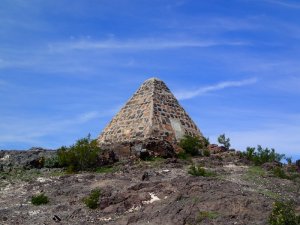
<point x="224" y="141"/>
<point x="20" y="174"/>
<point x="40" y="199"/>
<point x="207" y="215"/>
<point x="92" y="201"/>
<point x="256" y="171"/>
<point x="279" y="172"/>
<point x="283" y="214"/>
<point x="83" y="155"/>
<point x="183" y="155"/>
<point x="200" y="171"/>
<point x="260" y="155"/>
<point x="255" y="174"/>
<point x="106" y="169"/>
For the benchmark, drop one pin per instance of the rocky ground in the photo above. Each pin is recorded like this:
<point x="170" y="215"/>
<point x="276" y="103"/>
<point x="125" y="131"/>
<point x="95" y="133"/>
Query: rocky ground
<point x="145" y="192"/>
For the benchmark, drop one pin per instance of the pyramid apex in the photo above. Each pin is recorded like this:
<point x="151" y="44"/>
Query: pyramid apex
<point x="153" y="79"/>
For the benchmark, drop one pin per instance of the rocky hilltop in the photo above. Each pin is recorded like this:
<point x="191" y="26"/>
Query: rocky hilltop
<point x="137" y="192"/>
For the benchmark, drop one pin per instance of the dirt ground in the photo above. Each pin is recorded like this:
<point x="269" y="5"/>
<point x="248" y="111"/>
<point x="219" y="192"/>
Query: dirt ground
<point x="147" y="192"/>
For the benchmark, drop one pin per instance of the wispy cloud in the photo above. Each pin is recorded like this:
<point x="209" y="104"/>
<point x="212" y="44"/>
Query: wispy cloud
<point x="284" y="3"/>
<point x="31" y="131"/>
<point x="215" y="25"/>
<point x="204" y="90"/>
<point x="272" y="128"/>
<point x="139" y="44"/>
<point x="282" y="137"/>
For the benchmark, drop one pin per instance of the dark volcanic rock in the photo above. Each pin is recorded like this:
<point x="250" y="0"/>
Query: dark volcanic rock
<point x="33" y="158"/>
<point x="153" y="147"/>
<point x="271" y="165"/>
<point x="160" y="148"/>
<point x="148" y="192"/>
<point x="298" y="164"/>
<point x="213" y="148"/>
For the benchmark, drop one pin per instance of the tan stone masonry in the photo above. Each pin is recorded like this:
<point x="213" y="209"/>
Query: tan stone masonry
<point x="152" y="112"/>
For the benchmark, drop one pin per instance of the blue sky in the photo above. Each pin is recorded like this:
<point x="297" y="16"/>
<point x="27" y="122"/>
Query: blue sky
<point x="66" y="67"/>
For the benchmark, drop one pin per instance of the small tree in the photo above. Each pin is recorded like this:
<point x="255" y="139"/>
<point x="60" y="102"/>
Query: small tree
<point x="262" y="155"/>
<point x="224" y="141"/>
<point x="250" y="153"/>
<point x="288" y="160"/>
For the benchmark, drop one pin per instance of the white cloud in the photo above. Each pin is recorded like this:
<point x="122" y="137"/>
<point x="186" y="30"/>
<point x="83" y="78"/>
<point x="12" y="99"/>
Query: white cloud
<point x="138" y="44"/>
<point x="182" y="95"/>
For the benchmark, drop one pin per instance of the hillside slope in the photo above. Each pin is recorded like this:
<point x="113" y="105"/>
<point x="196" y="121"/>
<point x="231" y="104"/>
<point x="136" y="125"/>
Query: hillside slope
<point x="147" y="192"/>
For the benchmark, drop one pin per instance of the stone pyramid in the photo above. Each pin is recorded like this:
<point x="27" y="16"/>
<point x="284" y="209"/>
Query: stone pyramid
<point x="153" y="112"/>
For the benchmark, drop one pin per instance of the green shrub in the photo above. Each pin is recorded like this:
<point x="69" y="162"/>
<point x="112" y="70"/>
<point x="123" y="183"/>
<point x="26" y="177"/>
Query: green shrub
<point x="206" y="152"/>
<point x="260" y="155"/>
<point x="92" y="200"/>
<point x="199" y="171"/>
<point x="224" y="141"/>
<point x="205" y="142"/>
<point x="191" y="145"/>
<point x="39" y="199"/>
<point x="283" y="213"/>
<point x="52" y="162"/>
<point x="279" y="172"/>
<point x="183" y="155"/>
<point x="83" y="155"/>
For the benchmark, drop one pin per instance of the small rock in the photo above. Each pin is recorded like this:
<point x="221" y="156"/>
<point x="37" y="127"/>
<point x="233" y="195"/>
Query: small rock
<point x="56" y="218"/>
<point x="145" y="176"/>
<point x="144" y="154"/>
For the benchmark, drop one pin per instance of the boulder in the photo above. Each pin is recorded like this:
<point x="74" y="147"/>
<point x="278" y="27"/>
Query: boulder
<point x="271" y="165"/>
<point x="152" y="147"/>
<point x="37" y="163"/>
<point x="213" y="148"/>
<point x="298" y="164"/>
<point x="160" y="148"/>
